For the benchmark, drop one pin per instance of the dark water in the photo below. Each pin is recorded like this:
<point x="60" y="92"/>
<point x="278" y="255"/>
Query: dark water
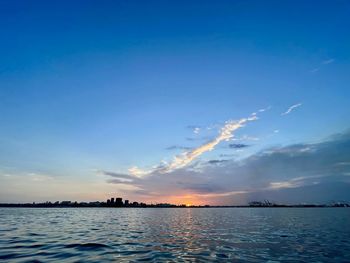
<point x="181" y="235"/>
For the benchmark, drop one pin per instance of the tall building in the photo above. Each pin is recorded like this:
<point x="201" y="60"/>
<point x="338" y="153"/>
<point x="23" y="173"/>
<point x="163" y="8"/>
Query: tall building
<point x="112" y="201"/>
<point x="119" y="201"/>
<point x="126" y="202"/>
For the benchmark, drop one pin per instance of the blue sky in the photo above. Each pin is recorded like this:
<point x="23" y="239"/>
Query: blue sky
<point x="88" y="87"/>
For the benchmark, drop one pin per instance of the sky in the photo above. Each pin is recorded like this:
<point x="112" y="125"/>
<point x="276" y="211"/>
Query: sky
<point x="186" y="102"/>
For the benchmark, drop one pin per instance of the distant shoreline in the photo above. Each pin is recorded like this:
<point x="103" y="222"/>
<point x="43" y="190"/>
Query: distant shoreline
<point x="183" y="207"/>
<point x="118" y="203"/>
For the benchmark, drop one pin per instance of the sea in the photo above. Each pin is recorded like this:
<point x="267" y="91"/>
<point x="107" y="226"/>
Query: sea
<point x="174" y="234"/>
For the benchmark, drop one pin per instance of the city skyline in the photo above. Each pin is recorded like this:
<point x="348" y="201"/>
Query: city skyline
<point x="199" y="103"/>
<point x="118" y="202"/>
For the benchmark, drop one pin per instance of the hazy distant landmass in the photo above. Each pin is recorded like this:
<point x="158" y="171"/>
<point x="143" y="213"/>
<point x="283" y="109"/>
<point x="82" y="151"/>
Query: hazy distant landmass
<point x="118" y="203"/>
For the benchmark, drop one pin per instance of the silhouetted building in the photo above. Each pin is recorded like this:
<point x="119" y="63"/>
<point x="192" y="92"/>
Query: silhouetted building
<point x="126" y="202"/>
<point x="108" y="202"/>
<point x="112" y="201"/>
<point x="119" y="201"/>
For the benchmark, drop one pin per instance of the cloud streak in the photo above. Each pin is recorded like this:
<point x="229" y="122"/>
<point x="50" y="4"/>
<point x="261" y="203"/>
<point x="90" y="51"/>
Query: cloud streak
<point x="329" y="61"/>
<point x="291" y="108"/>
<point x="238" y="145"/>
<point x="323" y="63"/>
<point x="225" y="134"/>
<point x="187" y="157"/>
<point x="178" y="147"/>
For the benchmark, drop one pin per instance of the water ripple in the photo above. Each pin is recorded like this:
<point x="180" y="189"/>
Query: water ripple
<point x="87" y="246"/>
<point x="174" y="235"/>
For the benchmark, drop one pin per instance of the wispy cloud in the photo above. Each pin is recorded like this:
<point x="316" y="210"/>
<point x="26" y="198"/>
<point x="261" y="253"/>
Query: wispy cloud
<point x="261" y="110"/>
<point x="323" y="63"/>
<point x="223" y="155"/>
<point x="225" y="134"/>
<point x="230" y="193"/>
<point x="238" y="145"/>
<point x="40" y="177"/>
<point x="196" y="129"/>
<point x="185" y="158"/>
<point x="216" y="161"/>
<point x="265" y="109"/>
<point x="314" y="70"/>
<point x="178" y="147"/>
<point x="328" y="61"/>
<point x="137" y="172"/>
<point x="247" y="138"/>
<point x="291" y="108"/>
<point x="280" y="185"/>
<point x="115" y="175"/>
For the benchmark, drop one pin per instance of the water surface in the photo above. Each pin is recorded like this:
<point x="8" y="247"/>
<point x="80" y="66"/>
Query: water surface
<point x="174" y="234"/>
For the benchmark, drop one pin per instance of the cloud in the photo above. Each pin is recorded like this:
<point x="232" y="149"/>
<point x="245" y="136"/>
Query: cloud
<point x="201" y="188"/>
<point x="216" y="161"/>
<point x="116" y="175"/>
<point x="194" y="128"/>
<point x="137" y="172"/>
<point x="261" y="110"/>
<point x="37" y="177"/>
<point x="328" y="61"/>
<point x="203" y="138"/>
<point x="177" y="147"/>
<point x="113" y="174"/>
<point x="272" y="173"/>
<point x="238" y="145"/>
<point x="279" y="185"/>
<point x="187" y="157"/>
<point x="265" y="109"/>
<point x="248" y="138"/>
<point x="343" y="163"/>
<point x="228" y="155"/>
<point x="225" y="134"/>
<point x="291" y="108"/>
<point x="323" y="63"/>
